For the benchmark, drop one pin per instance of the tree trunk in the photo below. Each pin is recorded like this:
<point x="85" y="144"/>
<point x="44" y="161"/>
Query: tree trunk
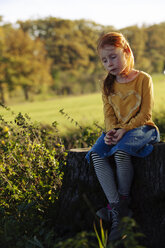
<point x="26" y="92"/>
<point x="2" y="97"/>
<point x="81" y="195"/>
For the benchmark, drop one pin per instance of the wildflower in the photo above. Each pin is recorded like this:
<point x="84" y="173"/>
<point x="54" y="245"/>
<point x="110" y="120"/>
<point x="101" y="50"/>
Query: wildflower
<point x="5" y="129"/>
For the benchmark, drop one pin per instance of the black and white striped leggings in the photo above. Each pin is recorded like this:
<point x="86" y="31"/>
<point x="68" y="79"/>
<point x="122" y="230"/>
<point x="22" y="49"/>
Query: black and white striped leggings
<point x="106" y="177"/>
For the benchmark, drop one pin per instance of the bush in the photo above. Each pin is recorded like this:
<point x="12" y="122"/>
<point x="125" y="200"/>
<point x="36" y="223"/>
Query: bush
<point x="31" y="170"/>
<point x="159" y="119"/>
<point x="80" y="137"/>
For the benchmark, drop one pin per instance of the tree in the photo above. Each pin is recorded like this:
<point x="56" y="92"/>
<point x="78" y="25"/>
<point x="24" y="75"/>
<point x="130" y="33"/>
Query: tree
<point x="2" y="65"/>
<point x="137" y="38"/>
<point x="155" y="46"/>
<point x="72" y="47"/>
<point x="26" y="63"/>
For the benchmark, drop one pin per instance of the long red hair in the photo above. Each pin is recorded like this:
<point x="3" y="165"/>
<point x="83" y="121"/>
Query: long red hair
<point x="117" y="40"/>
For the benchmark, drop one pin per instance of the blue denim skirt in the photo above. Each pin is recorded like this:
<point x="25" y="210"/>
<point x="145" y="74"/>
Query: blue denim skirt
<point x="136" y="142"/>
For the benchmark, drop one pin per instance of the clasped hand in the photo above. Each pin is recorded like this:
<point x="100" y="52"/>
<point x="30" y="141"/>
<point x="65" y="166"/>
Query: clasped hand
<point x="113" y="136"/>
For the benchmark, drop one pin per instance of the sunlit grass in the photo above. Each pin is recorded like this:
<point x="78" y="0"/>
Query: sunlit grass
<point x="159" y="92"/>
<point x="85" y="108"/>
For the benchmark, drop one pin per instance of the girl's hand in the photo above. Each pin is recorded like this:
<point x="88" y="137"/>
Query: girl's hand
<point x="113" y="136"/>
<point x="118" y="135"/>
<point x="109" y="136"/>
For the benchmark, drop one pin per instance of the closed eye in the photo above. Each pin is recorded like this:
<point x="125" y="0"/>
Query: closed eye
<point x="113" y="56"/>
<point x="104" y="60"/>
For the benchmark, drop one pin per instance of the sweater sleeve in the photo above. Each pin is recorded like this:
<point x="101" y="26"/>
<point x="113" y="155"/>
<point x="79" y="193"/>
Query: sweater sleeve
<point x="145" y="113"/>
<point x="110" y="119"/>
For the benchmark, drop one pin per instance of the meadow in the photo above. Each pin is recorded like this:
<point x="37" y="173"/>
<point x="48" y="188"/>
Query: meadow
<point x="85" y="109"/>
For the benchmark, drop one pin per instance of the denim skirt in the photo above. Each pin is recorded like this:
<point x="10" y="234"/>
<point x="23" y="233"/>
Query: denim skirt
<point x="136" y="142"/>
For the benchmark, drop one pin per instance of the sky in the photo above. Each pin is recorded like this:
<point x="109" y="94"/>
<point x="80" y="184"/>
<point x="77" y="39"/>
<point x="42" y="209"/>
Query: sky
<point x="117" y="13"/>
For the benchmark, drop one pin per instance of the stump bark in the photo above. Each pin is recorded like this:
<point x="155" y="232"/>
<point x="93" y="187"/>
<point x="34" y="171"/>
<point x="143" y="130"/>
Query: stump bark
<point x="81" y="195"/>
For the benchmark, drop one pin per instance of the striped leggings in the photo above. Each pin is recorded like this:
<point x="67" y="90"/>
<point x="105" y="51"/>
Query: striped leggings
<point x="112" y="186"/>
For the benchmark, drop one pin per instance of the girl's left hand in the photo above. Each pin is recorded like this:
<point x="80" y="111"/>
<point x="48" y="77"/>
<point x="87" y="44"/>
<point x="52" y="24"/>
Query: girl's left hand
<point x="118" y="135"/>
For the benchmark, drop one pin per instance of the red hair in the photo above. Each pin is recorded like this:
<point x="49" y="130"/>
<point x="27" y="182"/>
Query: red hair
<point x="117" y="40"/>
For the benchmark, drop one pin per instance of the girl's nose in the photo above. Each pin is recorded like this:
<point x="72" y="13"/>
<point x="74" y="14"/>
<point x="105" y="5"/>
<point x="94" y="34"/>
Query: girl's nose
<point x="109" y="62"/>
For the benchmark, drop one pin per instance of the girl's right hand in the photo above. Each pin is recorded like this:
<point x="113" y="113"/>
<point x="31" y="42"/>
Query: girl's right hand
<point x="109" y="137"/>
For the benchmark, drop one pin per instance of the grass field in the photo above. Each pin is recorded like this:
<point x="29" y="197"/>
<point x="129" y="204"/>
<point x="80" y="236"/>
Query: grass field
<point x="85" y="108"/>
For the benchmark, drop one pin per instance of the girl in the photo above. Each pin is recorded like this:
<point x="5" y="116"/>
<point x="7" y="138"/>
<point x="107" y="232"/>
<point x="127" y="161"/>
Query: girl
<point x="128" y="100"/>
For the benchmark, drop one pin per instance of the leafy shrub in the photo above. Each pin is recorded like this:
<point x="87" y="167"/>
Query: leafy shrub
<point x="159" y="119"/>
<point x="129" y="235"/>
<point x="81" y="137"/>
<point x="31" y="170"/>
<point x="81" y="240"/>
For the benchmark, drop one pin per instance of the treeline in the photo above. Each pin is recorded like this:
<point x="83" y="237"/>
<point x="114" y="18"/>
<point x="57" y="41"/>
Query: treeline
<point x="60" y="56"/>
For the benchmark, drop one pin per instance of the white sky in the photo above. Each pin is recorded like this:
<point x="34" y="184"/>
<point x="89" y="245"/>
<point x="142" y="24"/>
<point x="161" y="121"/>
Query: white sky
<point x="118" y="13"/>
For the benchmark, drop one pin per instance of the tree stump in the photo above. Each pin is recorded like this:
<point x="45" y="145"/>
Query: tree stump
<point x="81" y="195"/>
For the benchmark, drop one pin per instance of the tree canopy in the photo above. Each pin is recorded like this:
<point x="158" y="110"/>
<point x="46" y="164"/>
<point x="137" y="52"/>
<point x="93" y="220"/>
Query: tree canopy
<point x="61" y="55"/>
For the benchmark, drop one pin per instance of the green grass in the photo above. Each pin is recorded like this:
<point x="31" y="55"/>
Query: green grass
<point x="159" y="92"/>
<point x="85" y="108"/>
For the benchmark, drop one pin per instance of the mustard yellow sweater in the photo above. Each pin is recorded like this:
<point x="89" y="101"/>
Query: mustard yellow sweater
<point x="130" y="105"/>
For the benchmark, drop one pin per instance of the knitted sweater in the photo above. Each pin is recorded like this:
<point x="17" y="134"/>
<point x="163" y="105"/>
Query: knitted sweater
<point x="130" y="105"/>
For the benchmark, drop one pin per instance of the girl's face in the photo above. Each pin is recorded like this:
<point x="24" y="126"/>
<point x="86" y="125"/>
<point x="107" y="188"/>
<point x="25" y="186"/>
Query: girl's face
<point x="114" y="59"/>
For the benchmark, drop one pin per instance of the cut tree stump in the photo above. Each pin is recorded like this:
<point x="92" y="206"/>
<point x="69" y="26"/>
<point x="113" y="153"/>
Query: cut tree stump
<point x="81" y="195"/>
